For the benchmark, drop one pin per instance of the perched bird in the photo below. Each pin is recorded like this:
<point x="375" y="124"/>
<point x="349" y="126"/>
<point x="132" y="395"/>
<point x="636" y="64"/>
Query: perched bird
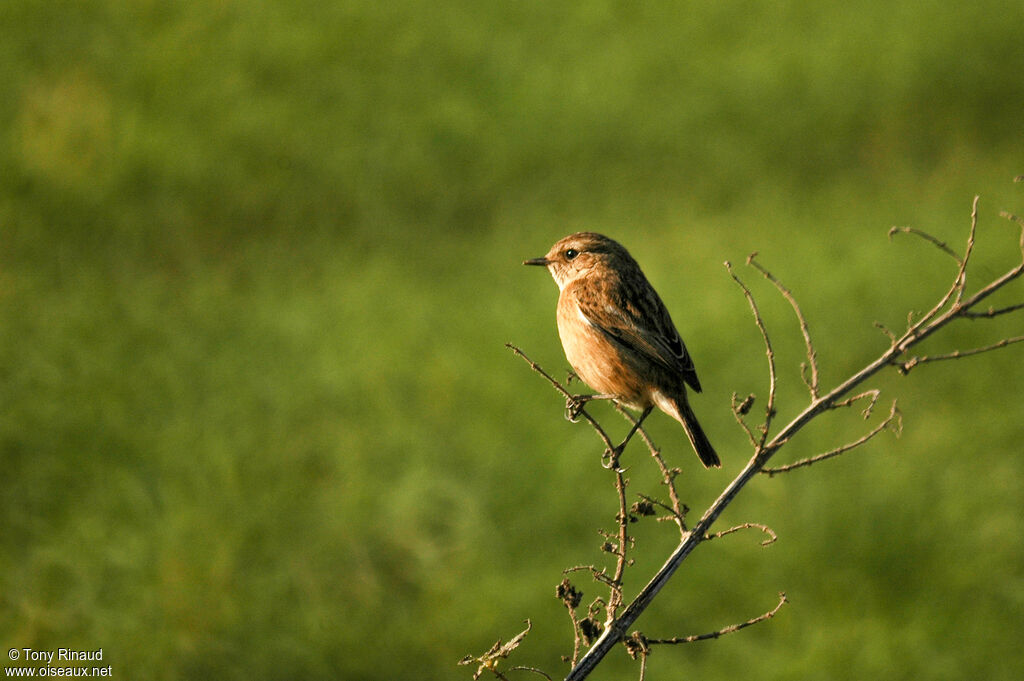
<point x="617" y="334"/>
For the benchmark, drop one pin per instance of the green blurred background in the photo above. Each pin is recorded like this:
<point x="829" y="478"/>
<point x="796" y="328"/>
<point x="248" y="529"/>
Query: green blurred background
<point x="258" y="261"/>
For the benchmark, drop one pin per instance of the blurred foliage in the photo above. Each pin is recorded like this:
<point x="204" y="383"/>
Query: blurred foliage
<point x="258" y="261"/>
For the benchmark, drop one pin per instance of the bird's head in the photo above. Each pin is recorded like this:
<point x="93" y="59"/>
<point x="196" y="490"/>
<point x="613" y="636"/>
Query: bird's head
<point x="581" y="254"/>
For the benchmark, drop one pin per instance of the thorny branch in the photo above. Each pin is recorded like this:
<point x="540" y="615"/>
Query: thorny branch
<point x="956" y="303"/>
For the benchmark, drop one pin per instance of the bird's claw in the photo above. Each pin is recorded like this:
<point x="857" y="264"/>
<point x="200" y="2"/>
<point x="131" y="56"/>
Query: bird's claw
<point x="573" y="406"/>
<point x="610" y="459"/>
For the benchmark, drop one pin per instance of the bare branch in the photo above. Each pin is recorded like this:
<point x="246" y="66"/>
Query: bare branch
<point x="894" y="416"/>
<point x="959" y="282"/>
<point x="568" y="396"/>
<point x="531" y="669"/>
<point x="571" y="597"/>
<point x="772" y="379"/>
<point x="638" y="645"/>
<point x="884" y="329"/>
<point x="739" y="410"/>
<point x="993" y="312"/>
<point x="772" y="537"/>
<point x="599" y="575"/>
<point x="961" y="278"/>
<point x="995" y="285"/>
<point x="812" y="355"/>
<point x="673" y="514"/>
<point x="905" y="366"/>
<point x="615" y="599"/>
<point x="721" y="632"/>
<point x="927" y="237"/>
<point x="668" y="475"/>
<point x="874" y="394"/>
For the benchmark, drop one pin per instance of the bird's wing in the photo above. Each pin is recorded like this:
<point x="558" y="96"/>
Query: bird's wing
<point x="638" y="320"/>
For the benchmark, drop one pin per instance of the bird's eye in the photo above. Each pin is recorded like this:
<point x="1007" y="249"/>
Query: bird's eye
<point x="571" y="253"/>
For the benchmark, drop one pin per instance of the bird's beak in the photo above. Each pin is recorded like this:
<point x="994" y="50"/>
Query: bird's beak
<point x="543" y="262"/>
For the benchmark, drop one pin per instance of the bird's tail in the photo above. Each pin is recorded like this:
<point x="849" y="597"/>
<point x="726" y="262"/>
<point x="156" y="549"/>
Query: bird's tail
<point x="679" y="408"/>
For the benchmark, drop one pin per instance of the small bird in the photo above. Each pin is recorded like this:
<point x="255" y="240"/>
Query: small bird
<point x="617" y="334"/>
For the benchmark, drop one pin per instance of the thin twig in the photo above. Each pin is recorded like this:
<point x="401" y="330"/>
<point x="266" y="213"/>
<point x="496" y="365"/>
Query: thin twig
<point x="668" y="475"/>
<point x="772" y="537"/>
<point x="531" y="669"/>
<point x="565" y="393"/>
<point x="673" y="514"/>
<point x="905" y="366"/>
<point x="992" y="312"/>
<point x="927" y="237"/>
<point x="812" y="354"/>
<point x="959" y="282"/>
<point x="770" y="407"/>
<point x="571" y="597"/>
<point x="738" y="410"/>
<point x="636" y="646"/>
<point x="598" y="575"/>
<point x="894" y="415"/>
<point x="961" y="279"/>
<point x="874" y="394"/>
<point x="621" y="548"/>
<point x="615" y="599"/>
<point x="884" y="329"/>
<point x="721" y="632"/>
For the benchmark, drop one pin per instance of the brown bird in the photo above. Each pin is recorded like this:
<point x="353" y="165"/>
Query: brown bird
<point x="617" y="334"/>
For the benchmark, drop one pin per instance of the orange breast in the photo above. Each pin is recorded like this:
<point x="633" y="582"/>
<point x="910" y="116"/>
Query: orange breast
<point x="597" y="360"/>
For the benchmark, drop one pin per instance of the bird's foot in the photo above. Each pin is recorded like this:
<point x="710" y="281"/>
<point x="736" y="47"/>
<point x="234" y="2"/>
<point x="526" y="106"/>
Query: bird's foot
<point x="574" y="405"/>
<point x="610" y="459"/>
